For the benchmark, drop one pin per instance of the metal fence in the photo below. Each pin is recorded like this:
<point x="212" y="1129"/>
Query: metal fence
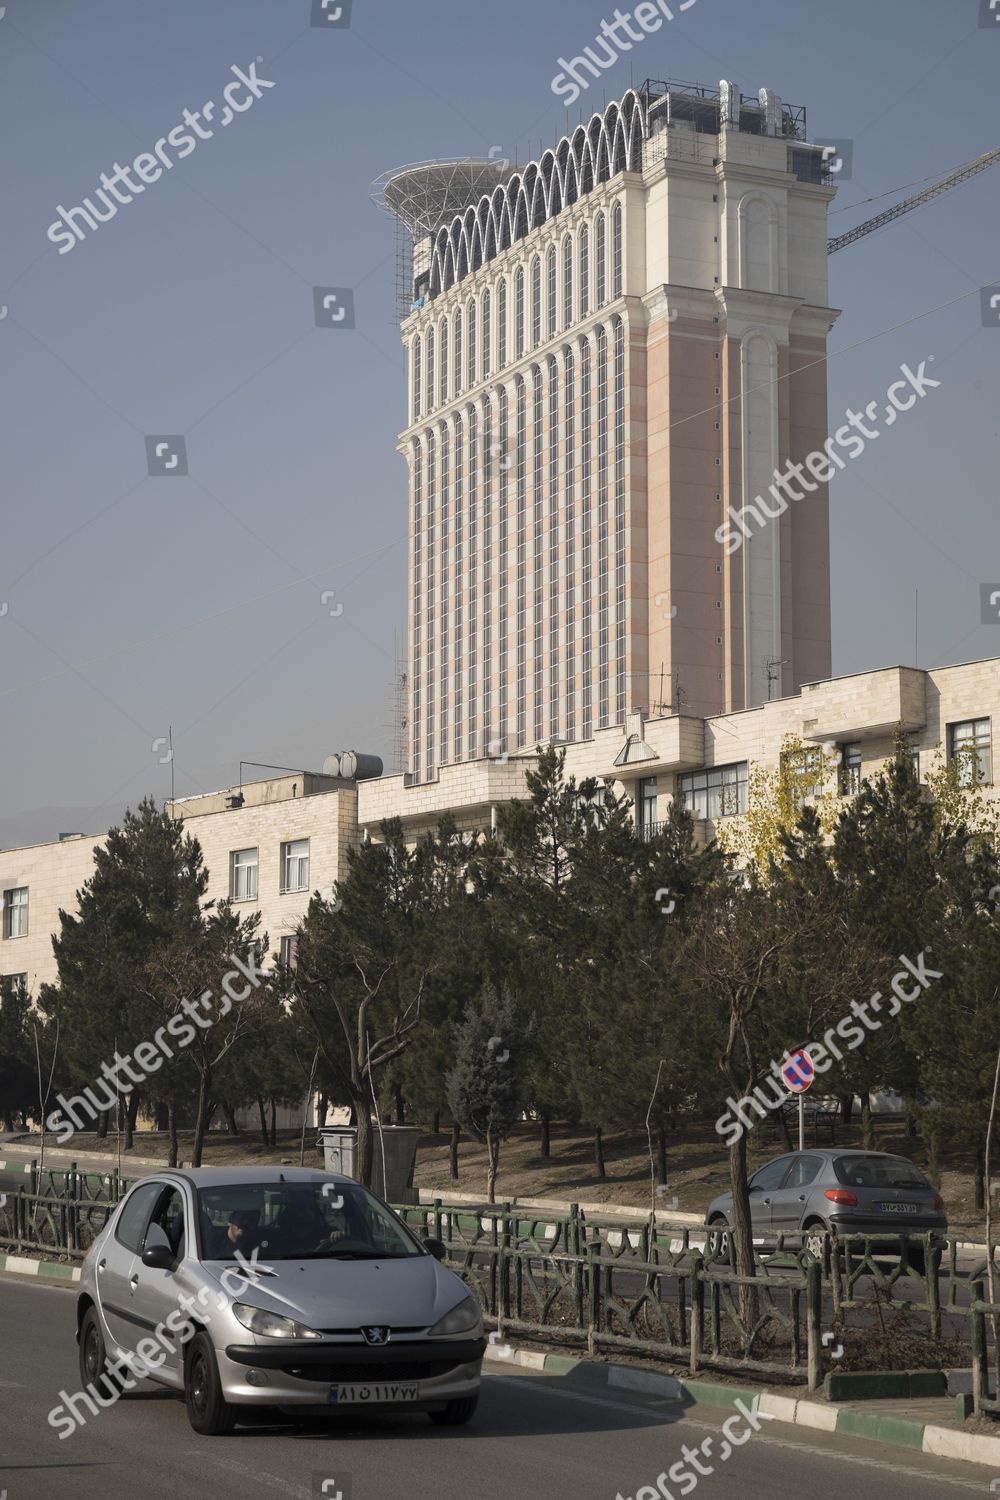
<point x="600" y="1284"/>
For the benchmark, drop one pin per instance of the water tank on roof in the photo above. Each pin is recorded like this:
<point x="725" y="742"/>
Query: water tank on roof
<point x="351" y="765"/>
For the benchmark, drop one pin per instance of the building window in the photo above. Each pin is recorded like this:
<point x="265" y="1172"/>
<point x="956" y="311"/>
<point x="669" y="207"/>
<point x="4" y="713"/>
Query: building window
<point x="418" y="357"/>
<point x="13" y="987"/>
<point x="648" y="825"/>
<point x="289" y="951"/>
<point x="913" y="749"/>
<point x="486" y="314"/>
<point x="591" y="809"/>
<point x="718" y="793"/>
<point x="443" y="362"/>
<point x="600" y="260"/>
<point x="295" y="865"/>
<point x="243" y="875"/>
<point x="501" y="326"/>
<point x="616" y="251"/>
<point x="470" y="338"/>
<point x="456" y="352"/>
<point x="804" y="770"/>
<point x="850" y="770"/>
<point x="567" y="253"/>
<point x="429" y="354"/>
<point x="584" y="272"/>
<point x="519" y="313"/>
<point x="970" y="747"/>
<point x="536" y="302"/>
<point x="551" y="291"/>
<point x="15" y="912"/>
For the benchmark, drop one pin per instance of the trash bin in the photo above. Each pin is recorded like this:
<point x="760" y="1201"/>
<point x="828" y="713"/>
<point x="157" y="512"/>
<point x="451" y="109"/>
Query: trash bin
<point x="399" y="1145"/>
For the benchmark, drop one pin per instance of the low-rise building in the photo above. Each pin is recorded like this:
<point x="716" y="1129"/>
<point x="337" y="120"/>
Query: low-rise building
<point x="268" y="845"/>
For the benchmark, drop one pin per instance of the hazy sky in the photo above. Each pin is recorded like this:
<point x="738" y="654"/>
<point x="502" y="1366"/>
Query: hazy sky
<point x="136" y="602"/>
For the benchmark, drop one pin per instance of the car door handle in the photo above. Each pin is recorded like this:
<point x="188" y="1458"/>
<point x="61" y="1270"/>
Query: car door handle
<point x="102" y="1265"/>
<point x="766" y="1202"/>
<point x="802" y="1197"/>
<point x="133" y="1282"/>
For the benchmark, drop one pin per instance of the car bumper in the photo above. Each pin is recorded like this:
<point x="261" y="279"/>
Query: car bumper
<point x="301" y="1374"/>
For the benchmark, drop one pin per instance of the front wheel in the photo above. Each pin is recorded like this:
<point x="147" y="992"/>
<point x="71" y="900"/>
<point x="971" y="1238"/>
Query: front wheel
<point x="456" y="1413"/>
<point x="209" y="1413"/>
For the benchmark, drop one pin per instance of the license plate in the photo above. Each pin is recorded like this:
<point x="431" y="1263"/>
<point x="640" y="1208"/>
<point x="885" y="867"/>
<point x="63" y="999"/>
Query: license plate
<point x="373" y="1395"/>
<point x="897" y="1208"/>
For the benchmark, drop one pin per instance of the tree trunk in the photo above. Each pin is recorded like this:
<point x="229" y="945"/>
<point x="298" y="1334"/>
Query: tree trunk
<point x="201" y="1118"/>
<point x="161" y="1115"/>
<point x="262" y="1112"/>
<point x="399" y="1108"/>
<point x="545" y="1148"/>
<point x="125" y="1121"/>
<point x="661" y="1155"/>
<point x="322" y="1105"/>
<point x="741" y="1238"/>
<point x="274" y="1126"/>
<point x="846" y="1108"/>
<point x="365" y="1161"/>
<point x="980" y="1170"/>
<point x="230" y="1114"/>
<point x="867" y="1123"/>
<point x="453" y="1149"/>
<point x="492" y="1165"/>
<point x="102" y="1125"/>
<point x="172" y="1128"/>
<point x="436" y="1123"/>
<point x="599" y="1153"/>
<point x="786" y="1135"/>
<point x="8" y="1122"/>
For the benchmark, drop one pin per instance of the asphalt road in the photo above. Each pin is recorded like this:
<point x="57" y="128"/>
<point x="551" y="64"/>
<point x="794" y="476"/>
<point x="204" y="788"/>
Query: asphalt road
<point x="531" y="1439"/>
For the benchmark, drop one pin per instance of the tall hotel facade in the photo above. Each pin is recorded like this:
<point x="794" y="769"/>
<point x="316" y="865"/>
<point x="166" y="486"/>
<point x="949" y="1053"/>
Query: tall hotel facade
<point x="607" y="349"/>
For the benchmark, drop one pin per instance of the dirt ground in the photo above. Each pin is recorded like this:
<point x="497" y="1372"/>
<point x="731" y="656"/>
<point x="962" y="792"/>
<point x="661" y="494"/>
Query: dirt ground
<point x="697" y="1163"/>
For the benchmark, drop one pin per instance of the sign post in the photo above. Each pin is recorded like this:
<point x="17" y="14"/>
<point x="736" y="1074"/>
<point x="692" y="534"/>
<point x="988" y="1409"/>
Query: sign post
<point x="799" y="1074"/>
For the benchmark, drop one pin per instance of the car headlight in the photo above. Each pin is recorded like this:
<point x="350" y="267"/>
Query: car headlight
<point x="270" y="1324"/>
<point x="465" y="1317"/>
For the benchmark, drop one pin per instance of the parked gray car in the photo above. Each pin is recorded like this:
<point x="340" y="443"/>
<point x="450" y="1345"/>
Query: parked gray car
<point x="803" y="1194"/>
<point x="276" y="1287"/>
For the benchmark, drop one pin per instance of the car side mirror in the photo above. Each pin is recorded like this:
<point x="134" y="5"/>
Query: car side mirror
<point x="158" y="1257"/>
<point x="437" y="1247"/>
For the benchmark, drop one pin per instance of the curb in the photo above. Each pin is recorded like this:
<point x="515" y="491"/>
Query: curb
<point x="44" y="1270"/>
<point x="899" y="1432"/>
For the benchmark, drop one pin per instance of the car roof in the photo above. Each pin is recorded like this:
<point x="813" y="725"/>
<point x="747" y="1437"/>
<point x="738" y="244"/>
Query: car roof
<point x="199" y="1177"/>
<point x="833" y="1152"/>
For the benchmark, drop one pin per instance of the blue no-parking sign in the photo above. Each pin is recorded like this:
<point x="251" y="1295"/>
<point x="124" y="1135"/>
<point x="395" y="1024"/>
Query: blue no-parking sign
<point x="798" y="1072"/>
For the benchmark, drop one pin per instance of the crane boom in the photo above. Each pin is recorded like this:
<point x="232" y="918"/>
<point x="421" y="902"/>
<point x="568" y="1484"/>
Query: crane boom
<point x="962" y="174"/>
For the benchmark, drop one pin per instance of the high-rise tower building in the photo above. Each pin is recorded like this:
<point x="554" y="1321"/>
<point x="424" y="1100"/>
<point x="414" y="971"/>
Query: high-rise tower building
<point x="611" y="351"/>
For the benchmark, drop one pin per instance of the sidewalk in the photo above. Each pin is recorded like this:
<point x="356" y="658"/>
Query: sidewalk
<point x="928" y="1425"/>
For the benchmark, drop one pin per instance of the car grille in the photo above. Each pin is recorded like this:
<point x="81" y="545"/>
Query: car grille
<point x="401" y="1369"/>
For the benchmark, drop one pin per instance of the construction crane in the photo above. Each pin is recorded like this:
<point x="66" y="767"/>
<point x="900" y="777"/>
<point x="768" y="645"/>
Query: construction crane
<point x="962" y="174"/>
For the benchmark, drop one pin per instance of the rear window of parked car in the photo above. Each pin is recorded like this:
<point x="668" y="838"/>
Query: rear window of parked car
<point x="878" y="1171"/>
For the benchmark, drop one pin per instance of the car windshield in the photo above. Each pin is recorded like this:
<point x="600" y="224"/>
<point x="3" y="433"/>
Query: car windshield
<point x="879" y="1172"/>
<point x="298" y="1221"/>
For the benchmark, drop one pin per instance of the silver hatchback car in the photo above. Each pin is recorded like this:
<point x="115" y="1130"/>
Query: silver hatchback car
<point x="803" y="1194"/>
<point x="275" y="1287"/>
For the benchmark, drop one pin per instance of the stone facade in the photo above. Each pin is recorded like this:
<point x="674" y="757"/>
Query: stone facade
<point x="862" y="712"/>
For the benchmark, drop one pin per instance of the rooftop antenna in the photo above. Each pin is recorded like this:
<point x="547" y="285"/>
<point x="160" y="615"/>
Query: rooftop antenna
<point x="170" y="745"/>
<point x="772" y="666"/>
